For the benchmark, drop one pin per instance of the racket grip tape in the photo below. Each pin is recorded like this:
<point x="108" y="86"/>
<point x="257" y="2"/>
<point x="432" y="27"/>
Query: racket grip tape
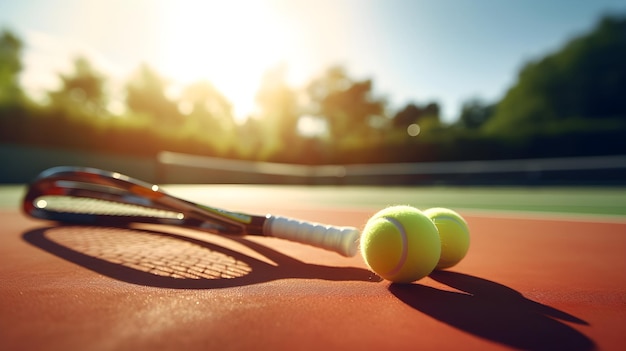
<point x="343" y="240"/>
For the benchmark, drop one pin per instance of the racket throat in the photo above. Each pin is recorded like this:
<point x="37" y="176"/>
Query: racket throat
<point x="256" y="225"/>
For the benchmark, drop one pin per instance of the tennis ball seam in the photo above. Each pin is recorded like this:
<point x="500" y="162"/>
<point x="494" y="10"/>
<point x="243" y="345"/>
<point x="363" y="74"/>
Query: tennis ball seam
<point x="454" y="245"/>
<point x="405" y="247"/>
<point x="448" y="218"/>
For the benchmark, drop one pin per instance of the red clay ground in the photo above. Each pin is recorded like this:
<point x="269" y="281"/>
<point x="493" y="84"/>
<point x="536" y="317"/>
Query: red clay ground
<point x="525" y="284"/>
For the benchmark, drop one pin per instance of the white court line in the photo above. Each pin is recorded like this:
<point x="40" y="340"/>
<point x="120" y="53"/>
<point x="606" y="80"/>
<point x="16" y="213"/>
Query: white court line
<point x="466" y="212"/>
<point x="544" y="216"/>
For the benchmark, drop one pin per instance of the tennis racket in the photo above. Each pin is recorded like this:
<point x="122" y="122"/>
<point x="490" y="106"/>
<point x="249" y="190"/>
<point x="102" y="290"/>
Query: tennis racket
<point x="81" y="195"/>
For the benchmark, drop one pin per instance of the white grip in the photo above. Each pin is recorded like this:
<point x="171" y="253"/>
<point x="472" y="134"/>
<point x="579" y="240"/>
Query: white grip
<point x="343" y="240"/>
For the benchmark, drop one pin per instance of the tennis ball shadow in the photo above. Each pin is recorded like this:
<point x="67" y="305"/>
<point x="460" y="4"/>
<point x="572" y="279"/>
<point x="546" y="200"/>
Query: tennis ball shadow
<point x="495" y="312"/>
<point x="162" y="259"/>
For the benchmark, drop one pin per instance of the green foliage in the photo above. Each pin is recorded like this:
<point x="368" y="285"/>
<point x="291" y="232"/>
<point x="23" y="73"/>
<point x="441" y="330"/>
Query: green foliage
<point x="207" y="115"/>
<point x="10" y="66"/>
<point x="81" y="91"/>
<point x="147" y="95"/>
<point x="414" y="121"/>
<point x="347" y="105"/>
<point x="279" y="113"/>
<point x="474" y="114"/>
<point x="413" y="114"/>
<point x="584" y="80"/>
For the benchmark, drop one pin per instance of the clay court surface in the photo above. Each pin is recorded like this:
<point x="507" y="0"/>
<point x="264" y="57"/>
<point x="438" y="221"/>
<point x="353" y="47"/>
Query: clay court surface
<point x="531" y="282"/>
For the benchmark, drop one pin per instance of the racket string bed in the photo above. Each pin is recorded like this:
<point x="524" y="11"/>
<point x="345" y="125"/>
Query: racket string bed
<point x="71" y="204"/>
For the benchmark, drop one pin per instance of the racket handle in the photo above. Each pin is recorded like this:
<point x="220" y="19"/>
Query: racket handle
<point x="343" y="240"/>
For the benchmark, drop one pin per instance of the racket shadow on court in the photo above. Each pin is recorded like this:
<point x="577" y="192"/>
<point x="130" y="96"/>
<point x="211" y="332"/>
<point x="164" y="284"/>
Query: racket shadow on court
<point x="495" y="312"/>
<point x="158" y="258"/>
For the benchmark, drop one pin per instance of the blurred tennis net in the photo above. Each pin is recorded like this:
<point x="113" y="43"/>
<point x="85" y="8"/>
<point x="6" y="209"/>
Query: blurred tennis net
<point x="175" y="167"/>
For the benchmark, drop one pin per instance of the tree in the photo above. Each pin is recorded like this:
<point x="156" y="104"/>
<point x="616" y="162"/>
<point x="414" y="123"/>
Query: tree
<point x="10" y="67"/>
<point x="279" y="110"/>
<point x="82" y="90"/>
<point x="475" y="113"/>
<point x="585" y="80"/>
<point x="348" y="105"/>
<point x="208" y="114"/>
<point x="412" y="118"/>
<point x="406" y="116"/>
<point x="146" y="95"/>
<point x="250" y="140"/>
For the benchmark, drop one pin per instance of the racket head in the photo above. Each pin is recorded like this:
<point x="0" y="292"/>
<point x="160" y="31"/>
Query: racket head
<point x="82" y="195"/>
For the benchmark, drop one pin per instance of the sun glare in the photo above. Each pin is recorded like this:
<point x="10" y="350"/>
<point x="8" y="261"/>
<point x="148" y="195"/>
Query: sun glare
<point x="311" y="126"/>
<point x="230" y="44"/>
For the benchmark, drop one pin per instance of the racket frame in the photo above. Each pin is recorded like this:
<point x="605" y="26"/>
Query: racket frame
<point x="92" y="183"/>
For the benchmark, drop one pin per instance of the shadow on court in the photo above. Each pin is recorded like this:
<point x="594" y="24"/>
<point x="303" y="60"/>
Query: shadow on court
<point x="161" y="259"/>
<point x="495" y="312"/>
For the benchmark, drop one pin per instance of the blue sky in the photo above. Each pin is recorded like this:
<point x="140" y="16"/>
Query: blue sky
<point x="415" y="51"/>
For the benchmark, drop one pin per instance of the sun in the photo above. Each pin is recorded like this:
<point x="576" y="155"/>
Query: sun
<point x="229" y="43"/>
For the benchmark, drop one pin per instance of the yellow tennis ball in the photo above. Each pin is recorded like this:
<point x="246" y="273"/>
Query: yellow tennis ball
<point x="454" y="234"/>
<point x="400" y="244"/>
